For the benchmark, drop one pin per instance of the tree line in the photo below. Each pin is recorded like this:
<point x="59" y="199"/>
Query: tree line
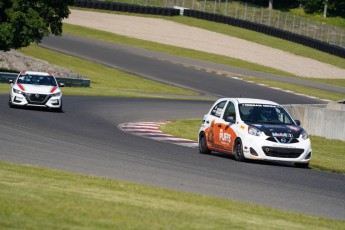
<point x="330" y="7"/>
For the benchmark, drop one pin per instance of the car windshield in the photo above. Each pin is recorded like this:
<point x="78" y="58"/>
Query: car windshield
<point x="262" y="113"/>
<point x="36" y="80"/>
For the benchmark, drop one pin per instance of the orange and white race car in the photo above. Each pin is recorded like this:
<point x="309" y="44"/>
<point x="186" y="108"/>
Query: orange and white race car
<point x="254" y="129"/>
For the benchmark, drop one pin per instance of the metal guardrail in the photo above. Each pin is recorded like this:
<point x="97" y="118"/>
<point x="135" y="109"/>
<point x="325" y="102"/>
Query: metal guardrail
<point x="69" y="82"/>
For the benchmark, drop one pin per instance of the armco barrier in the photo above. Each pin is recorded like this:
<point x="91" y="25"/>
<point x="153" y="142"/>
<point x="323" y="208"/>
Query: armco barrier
<point x="321" y="120"/>
<point x="300" y="39"/>
<point x="69" y="82"/>
<point x="131" y="8"/>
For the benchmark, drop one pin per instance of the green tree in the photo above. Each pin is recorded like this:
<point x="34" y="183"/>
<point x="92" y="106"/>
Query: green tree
<point x="276" y="4"/>
<point x="26" y="21"/>
<point x="332" y="7"/>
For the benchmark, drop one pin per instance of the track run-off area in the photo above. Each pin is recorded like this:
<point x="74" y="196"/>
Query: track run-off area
<point x="86" y="137"/>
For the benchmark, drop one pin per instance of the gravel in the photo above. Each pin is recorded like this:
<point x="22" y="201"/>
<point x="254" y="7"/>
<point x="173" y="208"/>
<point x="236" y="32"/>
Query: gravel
<point x="16" y="61"/>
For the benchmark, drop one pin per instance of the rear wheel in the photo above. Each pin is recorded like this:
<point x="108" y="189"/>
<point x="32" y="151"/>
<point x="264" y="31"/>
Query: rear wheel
<point x="238" y="150"/>
<point x="203" y="149"/>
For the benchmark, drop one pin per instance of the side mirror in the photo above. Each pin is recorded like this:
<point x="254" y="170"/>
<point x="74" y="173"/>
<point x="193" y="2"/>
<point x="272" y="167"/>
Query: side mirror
<point x="61" y="85"/>
<point x="230" y="119"/>
<point x="298" y="122"/>
<point x="10" y="81"/>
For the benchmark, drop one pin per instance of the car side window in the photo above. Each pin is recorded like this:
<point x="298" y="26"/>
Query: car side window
<point x="230" y="110"/>
<point x="218" y="109"/>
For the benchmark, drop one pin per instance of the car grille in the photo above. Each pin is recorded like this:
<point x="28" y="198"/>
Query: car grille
<point x="282" y="152"/>
<point x="39" y="99"/>
<point x="281" y="140"/>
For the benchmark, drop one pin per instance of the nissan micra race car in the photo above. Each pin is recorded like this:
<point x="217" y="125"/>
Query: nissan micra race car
<point x="36" y="89"/>
<point x="254" y="129"/>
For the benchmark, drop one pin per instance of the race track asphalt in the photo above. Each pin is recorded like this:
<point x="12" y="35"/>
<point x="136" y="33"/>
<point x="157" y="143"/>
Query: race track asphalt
<point x="138" y="62"/>
<point x="86" y="139"/>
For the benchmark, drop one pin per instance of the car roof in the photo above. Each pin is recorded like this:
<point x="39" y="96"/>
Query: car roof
<point x="252" y="101"/>
<point x="36" y="73"/>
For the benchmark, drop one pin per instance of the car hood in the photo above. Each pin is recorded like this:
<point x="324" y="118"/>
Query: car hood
<point x="42" y="89"/>
<point x="275" y="130"/>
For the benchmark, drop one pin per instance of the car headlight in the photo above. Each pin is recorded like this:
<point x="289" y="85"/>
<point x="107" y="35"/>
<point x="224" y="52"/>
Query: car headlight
<point x="56" y="94"/>
<point x="304" y="135"/>
<point x="17" y="91"/>
<point x="254" y="131"/>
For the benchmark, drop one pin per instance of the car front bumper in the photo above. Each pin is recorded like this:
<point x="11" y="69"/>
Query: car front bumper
<point x="259" y="148"/>
<point x="36" y="100"/>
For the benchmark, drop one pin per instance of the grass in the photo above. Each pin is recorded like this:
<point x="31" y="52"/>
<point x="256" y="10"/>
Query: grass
<point x="212" y="26"/>
<point x="293" y="20"/>
<point x="105" y="81"/>
<point x="263" y="39"/>
<point x="107" y="36"/>
<point x="300" y="89"/>
<point x="335" y="21"/>
<point x="168" y="49"/>
<point x="39" y="198"/>
<point x="328" y="155"/>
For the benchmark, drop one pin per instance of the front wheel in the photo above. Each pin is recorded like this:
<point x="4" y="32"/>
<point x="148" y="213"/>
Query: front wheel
<point x="10" y="103"/>
<point x="238" y="151"/>
<point x="59" y="110"/>
<point x="203" y="149"/>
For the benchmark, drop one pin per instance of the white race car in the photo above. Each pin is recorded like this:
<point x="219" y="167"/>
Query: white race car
<point x="36" y="89"/>
<point x="254" y="129"/>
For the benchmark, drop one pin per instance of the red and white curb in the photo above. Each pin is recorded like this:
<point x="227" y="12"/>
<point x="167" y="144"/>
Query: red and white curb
<point x="151" y="130"/>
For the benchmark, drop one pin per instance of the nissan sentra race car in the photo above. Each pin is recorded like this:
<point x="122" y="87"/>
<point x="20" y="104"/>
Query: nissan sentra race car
<point x="254" y="129"/>
<point x="36" y="89"/>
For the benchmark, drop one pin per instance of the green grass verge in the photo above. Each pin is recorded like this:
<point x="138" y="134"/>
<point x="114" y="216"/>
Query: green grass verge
<point x="299" y="89"/>
<point x="244" y="34"/>
<point x="168" y="49"/>
<point x="263" y="39"/>
<point x="229" y="30"/>
<point x="38" y="198"/>
<point x="105" y="81"/>
<point x="328" y="155"/>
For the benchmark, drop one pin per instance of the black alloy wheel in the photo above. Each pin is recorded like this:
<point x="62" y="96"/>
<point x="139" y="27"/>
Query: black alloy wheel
<point x="238" y="150"/>
<point x="203" y="149"/>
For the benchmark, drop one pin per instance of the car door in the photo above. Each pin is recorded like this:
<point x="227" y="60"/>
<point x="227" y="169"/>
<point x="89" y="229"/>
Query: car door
<point x="220" y="134"/>
<point x="225" y="134"/>
<point x="214" y="122"/>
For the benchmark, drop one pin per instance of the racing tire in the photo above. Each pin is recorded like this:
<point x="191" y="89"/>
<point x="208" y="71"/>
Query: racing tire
<point x="10" y="103"/>
<point x="301" y="165"/>
<point x="203" y="149"/>
<point x="238" y="151"/>
<point x="59" y="110"/>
